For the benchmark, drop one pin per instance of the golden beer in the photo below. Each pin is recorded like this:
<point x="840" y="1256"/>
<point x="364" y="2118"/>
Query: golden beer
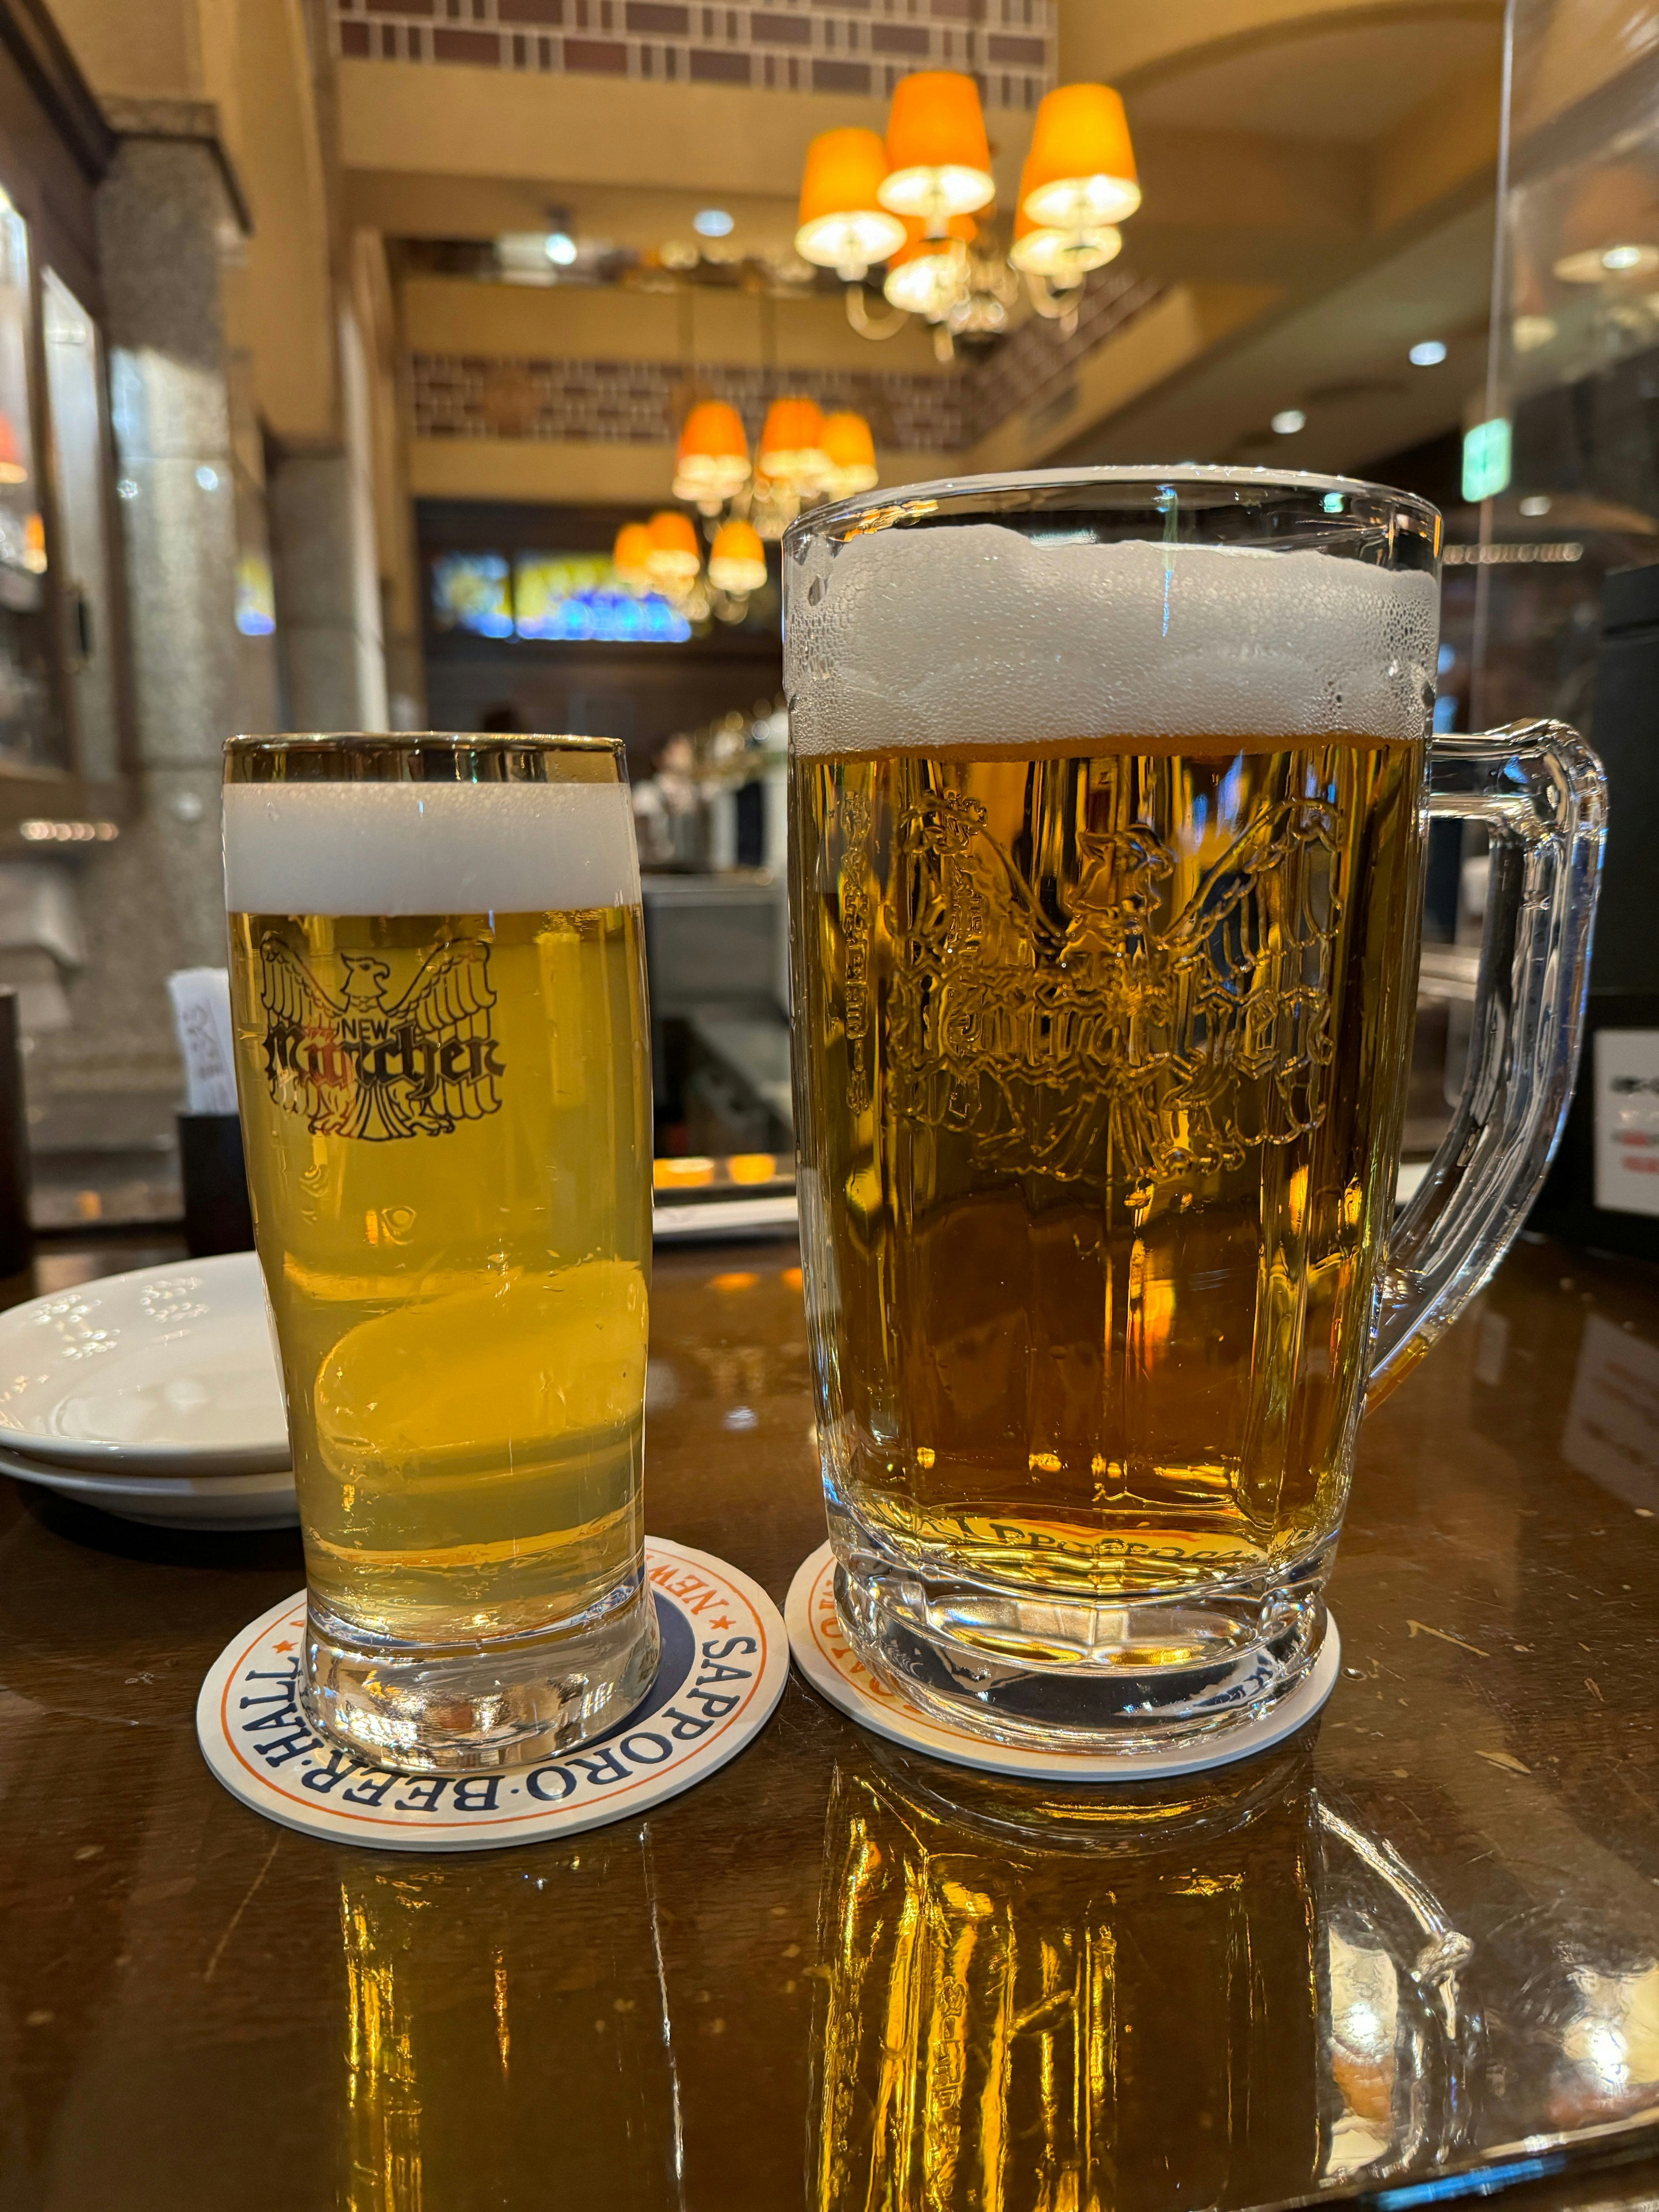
<point x="462" y="1303"/>
<point x="1108" y="831"/>
<point x="1102" y="1056"/>
<point x="437" y="985"/>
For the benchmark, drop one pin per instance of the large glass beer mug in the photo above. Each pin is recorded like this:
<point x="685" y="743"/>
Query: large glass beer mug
<point x="438" y="987"/>
<point x="1111" y="795"/>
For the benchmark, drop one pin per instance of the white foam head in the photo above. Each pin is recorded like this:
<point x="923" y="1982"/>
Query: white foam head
<point x="390" y="848"/>
<point x="973" y="634"/>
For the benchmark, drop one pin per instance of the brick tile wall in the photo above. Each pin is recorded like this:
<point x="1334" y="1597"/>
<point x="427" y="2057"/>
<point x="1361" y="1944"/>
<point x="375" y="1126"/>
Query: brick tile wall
<point x="1037" y="362"/>
<point x="859" y="47"/>
<point x="632" y="402"/>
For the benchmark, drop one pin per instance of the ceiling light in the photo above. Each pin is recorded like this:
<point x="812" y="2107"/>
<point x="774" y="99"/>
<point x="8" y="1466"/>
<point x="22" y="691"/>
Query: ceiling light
<point x="737" y="559"/>
<point x="1064" y="255"/>
<point x="713" y="222"/>
<point x="1536" y="504"/>
<point x="791" y="449"/>
<point x="851" y="453"/>
<point x="631" y="558"/>
<point x="674" y="556"/>
<point x="712" y="464"/>
<point x="938" y="161"/>
<point x="842" y="224"/>
<point x="1289" y="421"/>
<point x="1080" y="170"/>
<point x="560" y="248"/>
<point x="1624" y="259"/>
<point x="1427" y="353"/>
<point x="929" y="275"/>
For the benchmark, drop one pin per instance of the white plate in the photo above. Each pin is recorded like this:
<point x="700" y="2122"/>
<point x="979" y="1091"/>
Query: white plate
<point x="171" y="1501"/>
<point x="166" y="1370"/>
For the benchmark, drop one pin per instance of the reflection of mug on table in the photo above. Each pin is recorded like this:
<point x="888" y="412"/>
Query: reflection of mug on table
<point x="1224" y="1995"/>
<point x="1109" y="795"/>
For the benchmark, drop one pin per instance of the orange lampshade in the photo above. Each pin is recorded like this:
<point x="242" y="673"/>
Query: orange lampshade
<point x="712" y="465"/>
<point x="737" y="559"/>
<point x="1064" y="257"/>
<point x="791" y="448"/>
<point x="674" y="556"/>
<point x="1080" y="172"/>
<point x="843" y="225"/>
<point x="12" y="469"/>
<point x="939" y="162"/>
<point x="926" y="274"/>
<point x="852" y="452"/>
<point x="631" y="556"/>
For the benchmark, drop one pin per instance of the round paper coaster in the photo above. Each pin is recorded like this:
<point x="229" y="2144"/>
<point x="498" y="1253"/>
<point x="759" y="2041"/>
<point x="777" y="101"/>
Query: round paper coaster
<point x="829" y="1664"/>
<point x="725" y="1660"/>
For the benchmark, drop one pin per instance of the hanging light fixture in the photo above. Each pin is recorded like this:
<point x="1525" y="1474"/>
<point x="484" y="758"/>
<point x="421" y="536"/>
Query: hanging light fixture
<point x="852" y="454"/>
<point x="631" y="557"/>
<point x="675" y="557"/>
<point x="791" y="449"/>
<point x="1061" y="257"/>
<point x="712" y="464"/>
<point x="1079" y="183"/>
<point x="928" y="275"/>
<point x="736" y="560"/>
<point x="1080" y="172"/>
<point x="938" y="161"/>
<point x="842" y="223"/>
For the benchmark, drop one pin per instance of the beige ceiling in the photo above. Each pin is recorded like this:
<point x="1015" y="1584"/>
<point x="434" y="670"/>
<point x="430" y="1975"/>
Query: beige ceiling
<point x="1346" y="83"/>
<point x="1317" y="197"/>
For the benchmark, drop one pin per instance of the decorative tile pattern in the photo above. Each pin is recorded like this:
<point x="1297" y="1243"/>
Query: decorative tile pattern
<point x="1036" y="363"/>
<point x="857" y="46"/>
<point x="640" y="403"/>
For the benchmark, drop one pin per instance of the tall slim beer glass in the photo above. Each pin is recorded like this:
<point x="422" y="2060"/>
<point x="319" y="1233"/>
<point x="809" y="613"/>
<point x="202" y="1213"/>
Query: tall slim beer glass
<point x="1110" y="792"/>
<point x="438" y="987"/>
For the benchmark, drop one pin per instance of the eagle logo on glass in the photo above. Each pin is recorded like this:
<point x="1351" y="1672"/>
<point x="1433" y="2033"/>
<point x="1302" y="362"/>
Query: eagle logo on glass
<point x="356" y="1065"/>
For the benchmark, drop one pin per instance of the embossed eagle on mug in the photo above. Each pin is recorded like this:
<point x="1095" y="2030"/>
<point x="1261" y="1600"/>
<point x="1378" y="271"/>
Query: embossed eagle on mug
<point x="1196" y="1003"/>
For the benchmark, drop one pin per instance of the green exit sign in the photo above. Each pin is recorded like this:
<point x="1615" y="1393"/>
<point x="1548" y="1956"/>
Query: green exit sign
<point x="1486" y="460"/>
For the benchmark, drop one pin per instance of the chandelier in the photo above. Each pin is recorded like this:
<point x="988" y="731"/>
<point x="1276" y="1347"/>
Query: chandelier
<point x="909" y="204"/>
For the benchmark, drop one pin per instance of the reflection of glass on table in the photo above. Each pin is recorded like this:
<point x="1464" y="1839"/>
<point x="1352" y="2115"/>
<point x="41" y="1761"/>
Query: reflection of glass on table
<point x="473" y="1995"/>
<point x="1222" y="1993"/>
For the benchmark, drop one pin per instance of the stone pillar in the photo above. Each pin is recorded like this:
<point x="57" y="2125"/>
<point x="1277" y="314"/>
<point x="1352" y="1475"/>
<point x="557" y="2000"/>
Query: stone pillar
<point x="321" y="505"/>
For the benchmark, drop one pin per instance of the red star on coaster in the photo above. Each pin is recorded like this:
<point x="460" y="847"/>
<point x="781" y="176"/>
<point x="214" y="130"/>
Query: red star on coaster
<point x="721" y="1623"/>
<point x="283" y="1647"/>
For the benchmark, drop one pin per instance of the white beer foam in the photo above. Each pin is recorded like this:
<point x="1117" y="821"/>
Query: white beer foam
<point x="973" y="634"/>
<point x="392" y="848"/>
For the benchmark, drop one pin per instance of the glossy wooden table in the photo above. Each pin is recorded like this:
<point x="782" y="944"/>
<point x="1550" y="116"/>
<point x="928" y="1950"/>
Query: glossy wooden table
<point x="833" y="1975"/>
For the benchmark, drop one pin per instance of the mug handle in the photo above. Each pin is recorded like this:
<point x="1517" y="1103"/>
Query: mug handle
<point x="1541" y="794"/>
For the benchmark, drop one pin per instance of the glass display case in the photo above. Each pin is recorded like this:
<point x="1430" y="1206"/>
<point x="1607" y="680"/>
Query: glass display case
<point x="32" y="730"/>
<point x="86" y="568"/>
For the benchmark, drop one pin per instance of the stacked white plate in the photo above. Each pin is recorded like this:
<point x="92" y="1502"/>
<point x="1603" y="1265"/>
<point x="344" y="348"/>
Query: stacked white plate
<point x="154" y="1396"/>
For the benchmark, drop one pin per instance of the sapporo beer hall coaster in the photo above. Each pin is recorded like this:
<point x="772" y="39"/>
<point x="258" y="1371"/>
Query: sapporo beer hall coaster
<point x="725" y="1660"/>
<point x="827" y="1659"/>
